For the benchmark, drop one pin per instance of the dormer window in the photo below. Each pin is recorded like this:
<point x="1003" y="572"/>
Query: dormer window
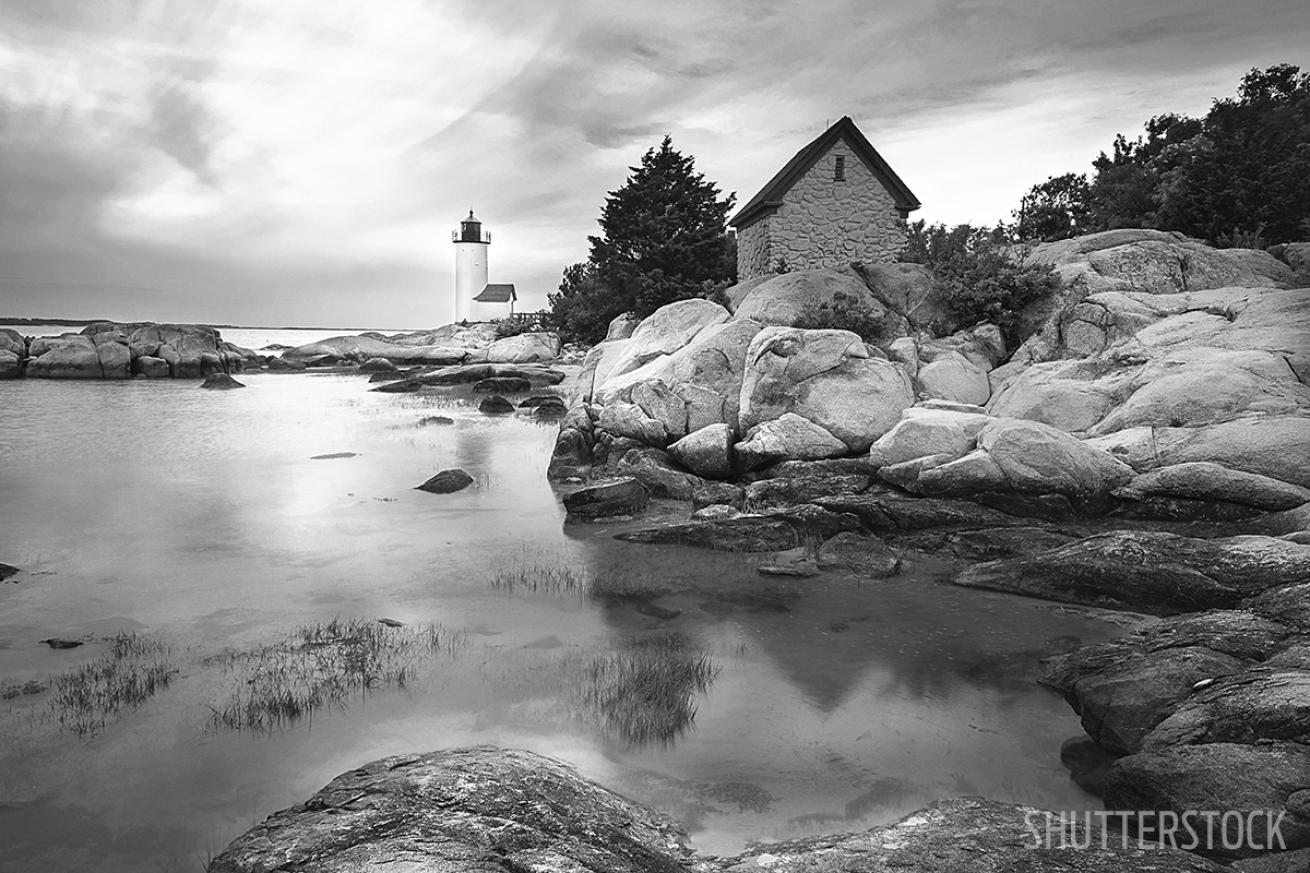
<point x="839" y="169"/>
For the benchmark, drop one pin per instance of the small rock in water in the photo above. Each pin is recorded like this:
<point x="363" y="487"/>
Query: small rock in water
<point x="220" y="382"/>
<point x="59" y="643"/>
<point x="434" y="419"/>
<point x="542" y="400"/>
<point x="446" y="481"/>
<point x="7" y="570"/>
<point x="333" y="456"/>
<point x="508" y="384"/>
<point x="391" y="622"/>
<point x="550" y="411"/>
<point x="495" y="405"/>
<point x="386" y="376"/>
<point x="657" y="611"/>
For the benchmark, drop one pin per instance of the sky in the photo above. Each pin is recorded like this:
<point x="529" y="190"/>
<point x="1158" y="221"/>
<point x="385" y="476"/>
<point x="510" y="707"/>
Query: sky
<point x="304" y="162"/>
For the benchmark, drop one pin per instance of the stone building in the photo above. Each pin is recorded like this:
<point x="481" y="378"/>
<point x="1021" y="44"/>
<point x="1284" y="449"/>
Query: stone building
<point x="835" y="202"/>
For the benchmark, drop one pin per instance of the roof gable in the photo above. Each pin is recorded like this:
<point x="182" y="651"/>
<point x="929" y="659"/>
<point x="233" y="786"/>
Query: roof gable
<point x="770" y="196"/>
<point x="497" y="293"/>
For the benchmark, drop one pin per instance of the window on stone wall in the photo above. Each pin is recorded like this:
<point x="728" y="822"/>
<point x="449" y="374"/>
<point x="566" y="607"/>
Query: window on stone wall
<point x="839" y="169"/>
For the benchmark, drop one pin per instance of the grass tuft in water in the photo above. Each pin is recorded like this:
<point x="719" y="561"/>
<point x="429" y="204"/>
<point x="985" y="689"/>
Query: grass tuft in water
<point x="645" y="692"/>
<point x="563" y="580"/>
<point x="130" y="673"/>
<point x="319" y="666"/>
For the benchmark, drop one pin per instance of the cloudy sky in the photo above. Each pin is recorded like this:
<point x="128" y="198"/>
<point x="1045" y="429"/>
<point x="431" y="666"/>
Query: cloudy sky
<point x="304" y="161"/>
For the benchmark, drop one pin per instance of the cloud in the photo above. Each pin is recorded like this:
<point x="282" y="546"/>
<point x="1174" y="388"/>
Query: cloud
<point x="260" y="161"/>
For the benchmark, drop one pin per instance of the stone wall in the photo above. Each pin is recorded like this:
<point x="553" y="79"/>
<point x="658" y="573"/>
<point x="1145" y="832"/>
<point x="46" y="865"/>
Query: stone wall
<point x="823" y="223"/>
<point x="753" y="249"/>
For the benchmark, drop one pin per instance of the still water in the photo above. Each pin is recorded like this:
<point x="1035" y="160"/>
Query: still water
<point x="202" y="523"/>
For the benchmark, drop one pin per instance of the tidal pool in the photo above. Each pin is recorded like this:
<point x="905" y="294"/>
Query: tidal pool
<point x="194" y="533"/>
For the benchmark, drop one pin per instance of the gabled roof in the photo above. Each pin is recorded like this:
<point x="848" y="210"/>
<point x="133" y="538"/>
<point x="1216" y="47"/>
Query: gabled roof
<point x="770" y="196"/>
<point x="497" y="294"/>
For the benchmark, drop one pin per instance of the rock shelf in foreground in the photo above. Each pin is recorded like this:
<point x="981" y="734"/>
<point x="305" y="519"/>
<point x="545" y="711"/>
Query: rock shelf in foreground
<point x="490" y="810"/>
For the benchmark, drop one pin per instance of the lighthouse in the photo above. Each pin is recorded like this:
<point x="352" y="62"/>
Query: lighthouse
<point x="471" y="246"/>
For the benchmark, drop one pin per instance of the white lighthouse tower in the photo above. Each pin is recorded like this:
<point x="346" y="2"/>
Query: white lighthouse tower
<point x="471" y="246"/>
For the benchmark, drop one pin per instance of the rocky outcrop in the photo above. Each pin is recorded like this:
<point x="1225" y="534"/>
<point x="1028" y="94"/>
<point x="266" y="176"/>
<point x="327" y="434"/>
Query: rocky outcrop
<point x="460" y="810"/>
<point x="534" y="374"/>
<point x="1149" y="570"/>
<point x="1148" y="261"/>
<point x="501" y="810"/>
<point x="525" y="348"/>
<point x="110" y="350"/>
<point x="1210" y="711"/>
<point x="452" y="344"/>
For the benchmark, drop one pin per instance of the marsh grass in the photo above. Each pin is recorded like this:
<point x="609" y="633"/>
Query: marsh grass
<point x="564" y="580"/>
<point x="129" y="674"/>
<point x="644" y="693"/>
<point x="321" y="666"/>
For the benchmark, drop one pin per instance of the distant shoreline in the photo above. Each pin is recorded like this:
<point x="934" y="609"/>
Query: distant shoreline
<point x="83" y="322"/>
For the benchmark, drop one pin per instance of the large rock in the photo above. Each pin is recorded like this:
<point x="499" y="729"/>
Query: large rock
<point x="922" y="432"/>
<point x="151" y="367"/>
<point x="826" y="376"/>
<point x="12" y="341"/>
<point x="1142" y="261"/>
<point x="862" y="555"/>
<point x="789" y="299"/>
<point x="524" y="348"/>
<point x="706" y="374"/>
<point x="982" y="345"/>
<point x="706" y="452"/>
<point x="746" y="533"/>
<point x="465" y="809"/>
<point x="791" y="490"/>
<point x="1255" y="781"/>
<point x="1149" y="570"/>
<point x="68" y="357"/>
<point x="624" y="496"/>
<point x="630" y="420"/>
<point x="622" y="326"/>
<point x="10" y="365"/>
<point x="914" y="293"/>
<point x="1027" y="456"/>
<point x="359" y="349"/>
<point x="666" y="330"/>
<point x="890" y="514"/>
<point x="654" y="469"/>
<point x="788" y="437"/>
<point x="952" y="376"/>
<point x="1185" y="359"/>
<point x="489" y="809"/>
<point x="1203" y="480"/>
<point x="1264" y="704"/>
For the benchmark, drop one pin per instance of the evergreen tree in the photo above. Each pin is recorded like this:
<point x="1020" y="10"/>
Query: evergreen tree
<point x="662" y="239"/>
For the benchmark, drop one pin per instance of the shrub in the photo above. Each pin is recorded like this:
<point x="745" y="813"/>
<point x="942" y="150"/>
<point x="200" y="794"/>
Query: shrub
<point x="982" y="281"/>
<point x="845" y="312"/>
